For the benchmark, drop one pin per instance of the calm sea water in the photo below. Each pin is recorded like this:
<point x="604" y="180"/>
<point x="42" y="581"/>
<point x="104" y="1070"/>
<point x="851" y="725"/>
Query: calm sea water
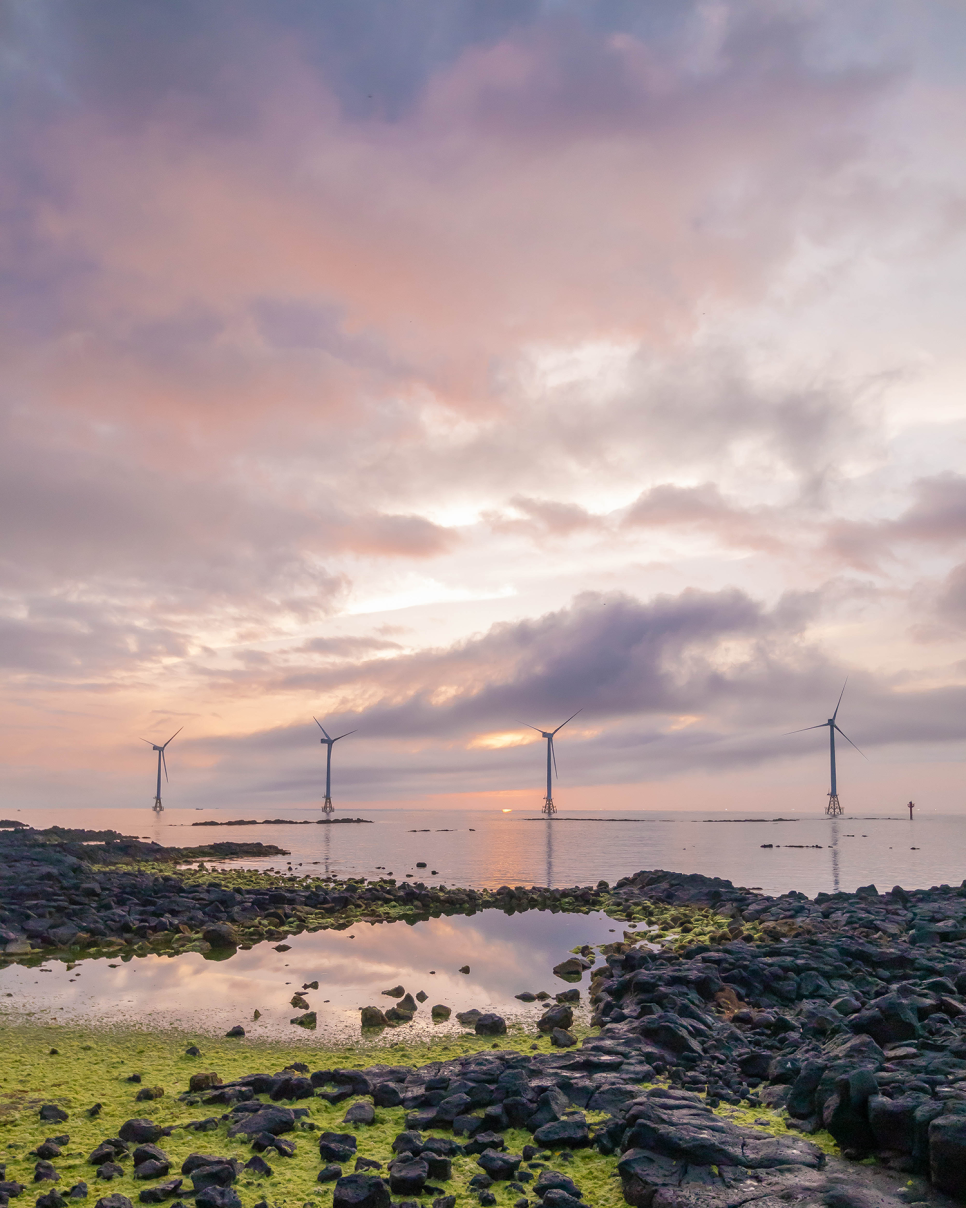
<point x="480" y="849"/>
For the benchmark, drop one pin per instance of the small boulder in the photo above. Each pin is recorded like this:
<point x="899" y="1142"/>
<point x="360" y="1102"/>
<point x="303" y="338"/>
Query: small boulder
<point x="440" y="1013"/>
<point x="337" y="1147"/>
<point x="464" y="969"/>
<point x="152" y="1169"/>
<point x="203" y="1082"/>
<point x="558" y="1016"/>
<point x="45" y="1172"/>
<point x="372" y="1017"/>
<point x="216" y="1196"/>
<point x="235" y="1033"/>
<point x="78" y="1191"/>
<point x="50" y="1113"/>
<point x="562" y="1039"/>
<point x="53" y="1199"/>
<point x="141" y="1132"/>
<point x="274" y="1120"/>
<point x="490" y="1025"/>
<point x="947" y="1155"/>
<point x="329" y="1174"/>
<point x="395" y="992"/>
<point x="499" y="1165"/>
<point x="553" y="1180"/>
<point x="571" y="1133"/>
<point x="360" y="1113"/>
<point x="408" y="1175"/>
<point x="571" y="969"/>
<point x="114" y="1201"/>
<point x="161" y="1192"/>
<point x="308" y="1020"/>
<point x="257" y="1165"/>
<point x="220" y="935"/>
<point x="361" y="1191"/>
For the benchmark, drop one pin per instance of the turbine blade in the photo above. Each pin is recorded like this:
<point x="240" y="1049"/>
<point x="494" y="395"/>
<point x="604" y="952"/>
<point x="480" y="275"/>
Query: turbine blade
<point x="321" y="727"/>
<point x="553" y="756"/>
<point x="164" y="763"/>
<point x="804" y="728"/>
<point x="529" y="727"/>
<point x="849" y="740"/>
<point x="569" y="719"/>
<point x="841" y="694"/>
<point x="148" y="741"/>
<point x="173" y="737"/>
<point x="345" y="735"/>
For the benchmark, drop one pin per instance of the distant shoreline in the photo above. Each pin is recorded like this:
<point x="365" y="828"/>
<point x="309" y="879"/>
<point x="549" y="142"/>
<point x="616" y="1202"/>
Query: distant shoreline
<point x="286" y="822"/>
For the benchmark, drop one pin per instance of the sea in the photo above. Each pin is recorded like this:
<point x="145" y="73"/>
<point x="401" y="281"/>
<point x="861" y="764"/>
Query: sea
<point x="485" y="849"/>
<point x="197" y="995"/>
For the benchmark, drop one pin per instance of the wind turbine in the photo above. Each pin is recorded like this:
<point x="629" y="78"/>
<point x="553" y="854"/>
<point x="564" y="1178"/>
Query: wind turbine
<point x="158" y="807"/>
<point x="327" y="806"/>
<point x="834" y="806"/>
<point x="548" y="806"/>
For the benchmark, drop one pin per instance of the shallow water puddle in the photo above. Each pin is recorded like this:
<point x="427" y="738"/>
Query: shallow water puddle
<point x="506" y="954"/>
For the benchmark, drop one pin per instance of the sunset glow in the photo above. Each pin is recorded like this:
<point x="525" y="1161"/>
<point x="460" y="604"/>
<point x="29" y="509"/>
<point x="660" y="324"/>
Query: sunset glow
<point x="437" y="382"/>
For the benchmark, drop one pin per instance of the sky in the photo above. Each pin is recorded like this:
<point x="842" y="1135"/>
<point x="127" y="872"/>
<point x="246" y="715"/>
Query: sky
<point x="439" y="370"/>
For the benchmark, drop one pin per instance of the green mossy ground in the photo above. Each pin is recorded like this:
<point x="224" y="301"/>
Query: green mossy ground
<point x="92" y="1066"/>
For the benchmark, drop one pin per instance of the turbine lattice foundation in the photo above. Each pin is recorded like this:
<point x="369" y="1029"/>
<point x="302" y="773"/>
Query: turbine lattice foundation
<point x="157" y="807"/>
<point x="548" y="807"/>
<point x="834" y="807"/>
<point x="327" y="806"/>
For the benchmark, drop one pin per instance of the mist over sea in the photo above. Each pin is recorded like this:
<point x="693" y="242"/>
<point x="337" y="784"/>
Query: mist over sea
<point x="809" y="853"/>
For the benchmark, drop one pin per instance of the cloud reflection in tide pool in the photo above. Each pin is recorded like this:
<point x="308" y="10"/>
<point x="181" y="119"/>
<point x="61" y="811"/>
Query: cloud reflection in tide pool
<point x="506" y="954"/>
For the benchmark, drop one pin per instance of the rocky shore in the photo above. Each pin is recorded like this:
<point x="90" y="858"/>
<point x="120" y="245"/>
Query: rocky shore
<point x="842" y="1016"/>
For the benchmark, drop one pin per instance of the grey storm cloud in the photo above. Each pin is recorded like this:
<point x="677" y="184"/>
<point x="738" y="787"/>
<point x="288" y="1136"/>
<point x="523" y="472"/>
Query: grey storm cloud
<point x="631" y="667"/>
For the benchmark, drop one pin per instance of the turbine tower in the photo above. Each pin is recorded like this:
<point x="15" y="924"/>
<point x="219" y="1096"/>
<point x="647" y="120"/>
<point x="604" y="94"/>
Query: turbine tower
<point x="327" y="742"/>
<point x="548" y="806"/>
<point x="158" y="807"/>
<point x="834" y="807"/>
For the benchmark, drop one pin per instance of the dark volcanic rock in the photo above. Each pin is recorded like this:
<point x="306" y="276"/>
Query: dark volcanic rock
<point x="161" y="1192"/>
<point x="361" y="1191"/>
<point x="141" y="1132"/>
<point x="408" y="1175"/>
<point x="563" y="1134"/>
<point x="559" y="1016"/>
<point x="274" y="1120"/>
<point x="947" y="1155"/>
<point x="499" y="1165"/>
<point x="490" y="1025"/>
<point x="216" y="1196"/>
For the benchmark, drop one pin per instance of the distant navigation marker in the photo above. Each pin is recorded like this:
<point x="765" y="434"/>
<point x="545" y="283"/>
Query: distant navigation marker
<point x="548" y="806"/>
<point x="912" y="806"/>
<point x="327" y="742"/>
<point x="158" y="807"/>
<point x="834" y="807"/>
